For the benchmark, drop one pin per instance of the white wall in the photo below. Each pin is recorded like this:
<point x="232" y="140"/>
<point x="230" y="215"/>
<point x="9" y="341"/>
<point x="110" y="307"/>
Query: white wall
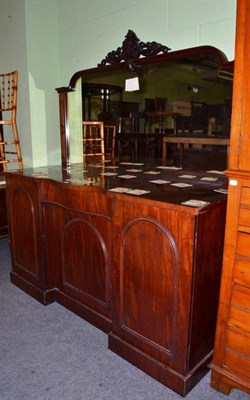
<point x="14" y="56"/>
<point x="49" y="40"/>
<point x="89" y="29"/>
<point x="42" y="44"/>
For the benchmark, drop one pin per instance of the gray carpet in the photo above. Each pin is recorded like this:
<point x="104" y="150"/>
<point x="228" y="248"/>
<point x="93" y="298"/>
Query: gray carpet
<point x="48" y="353"/>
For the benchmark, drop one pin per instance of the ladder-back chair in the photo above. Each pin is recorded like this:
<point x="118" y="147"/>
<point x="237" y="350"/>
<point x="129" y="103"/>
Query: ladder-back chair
<point x="109" y="141"/>
<point x="93" y="141"/>
<point x="10" y="151"/>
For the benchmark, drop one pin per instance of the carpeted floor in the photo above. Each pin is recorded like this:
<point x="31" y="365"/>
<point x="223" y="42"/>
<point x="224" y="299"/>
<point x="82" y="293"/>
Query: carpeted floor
<point x="48" y="353"/>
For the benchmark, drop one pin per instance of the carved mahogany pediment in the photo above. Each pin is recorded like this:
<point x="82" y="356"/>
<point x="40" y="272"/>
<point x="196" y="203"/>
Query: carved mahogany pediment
<point x="132" y="49"/>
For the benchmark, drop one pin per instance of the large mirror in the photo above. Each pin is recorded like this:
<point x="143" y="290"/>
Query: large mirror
<point x="172" y="107"/>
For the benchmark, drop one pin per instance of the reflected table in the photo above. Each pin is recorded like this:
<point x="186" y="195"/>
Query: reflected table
<point x="194" y="140"/>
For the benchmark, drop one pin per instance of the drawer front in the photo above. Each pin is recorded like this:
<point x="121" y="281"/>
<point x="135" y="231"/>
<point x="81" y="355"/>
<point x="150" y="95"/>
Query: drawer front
<point x="240" y="296"/>
<point x="244" y="220"/>
<point x="239" y="318"/>
<point x="243" y="244"/>
<point x="239" y="341"/>
<point x="245" y="196"/>
<point x="237" y="363"/>
<point x="241" y="272"/>
<point x="244" y="212"/>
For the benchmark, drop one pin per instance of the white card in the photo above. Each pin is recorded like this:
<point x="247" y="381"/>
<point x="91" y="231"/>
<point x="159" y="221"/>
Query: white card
<point x="209" y="179"/>
<point x="173" y="168"/>
<point x="160" y="181"/>
<point x="224" y="191"/>
<point x="216" y="172"/>
<point x="187" y="176"/>
<point x="138" y="192"/>
<point x="109" y="173"/>
<point x="120" y="190"/>
<point x="126" y="176"/>
<point x="181" y="184"/>
<point x="133" y="170"/>
<point x="195" y="203"/>
<point x="152" y="172"/>
<point x="137" y="163"/>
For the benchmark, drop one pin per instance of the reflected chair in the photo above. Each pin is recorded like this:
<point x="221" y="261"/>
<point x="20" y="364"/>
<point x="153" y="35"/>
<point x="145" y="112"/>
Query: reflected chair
<point x="93" y="141"/>
<point x="10" y="152"/>
<point x="109" y="141"/>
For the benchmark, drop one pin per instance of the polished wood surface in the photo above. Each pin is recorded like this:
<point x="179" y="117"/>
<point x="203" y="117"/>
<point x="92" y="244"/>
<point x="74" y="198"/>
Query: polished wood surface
<point x="3" y="213"/>
<point x="231" y="361"/>
<point x="164" y="273"/>
<point x="25" y="229"/>
<point x="77" y="228"/>
<point x="137" y="266"/>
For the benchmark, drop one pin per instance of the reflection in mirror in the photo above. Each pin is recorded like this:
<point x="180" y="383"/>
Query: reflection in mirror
<point x="183" y="94"/>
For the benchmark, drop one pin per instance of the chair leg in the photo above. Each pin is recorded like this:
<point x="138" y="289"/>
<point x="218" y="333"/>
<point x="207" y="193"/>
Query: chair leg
<point x="17" y="145"/>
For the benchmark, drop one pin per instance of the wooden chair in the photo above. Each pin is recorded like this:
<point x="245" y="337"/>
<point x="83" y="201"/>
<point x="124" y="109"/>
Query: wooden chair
<point x="109" y="141"/>
<point x="10" y="151"/>
<point x="93" y="141"/>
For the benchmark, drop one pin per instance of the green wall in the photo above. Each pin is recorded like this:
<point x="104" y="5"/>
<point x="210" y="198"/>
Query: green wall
<point x="49" y="40"/>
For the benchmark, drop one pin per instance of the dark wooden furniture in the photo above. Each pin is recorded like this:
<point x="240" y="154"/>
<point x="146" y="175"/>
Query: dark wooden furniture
<point x="60" y="243"/>
<point x="3" y="212"/>
<point x="193" y="140"/>
<point x="231" y="361"/>
<point x="164" y="273"/>
<point x="140" y="145"/>
<point x="76" y="241"/>
<point x="10" y="150"/>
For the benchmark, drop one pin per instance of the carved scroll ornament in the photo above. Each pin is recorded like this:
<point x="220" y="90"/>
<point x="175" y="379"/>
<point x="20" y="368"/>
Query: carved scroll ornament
<point x="131" y="50"/>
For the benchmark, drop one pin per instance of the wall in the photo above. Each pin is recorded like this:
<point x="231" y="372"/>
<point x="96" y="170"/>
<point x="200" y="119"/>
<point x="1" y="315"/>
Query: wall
<point x="52" y="39"/>
<point x="104" y="23"/>
<point x="14" y="55"/>
<point x="42" y="43"/>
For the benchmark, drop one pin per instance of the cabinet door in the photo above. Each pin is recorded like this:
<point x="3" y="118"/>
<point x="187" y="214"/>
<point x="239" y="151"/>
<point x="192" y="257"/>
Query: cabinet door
<point x="78" y="239"/>
<point x="166" y="273"/>
<point x="24" y="214"/>
<point x="153" y="262"/>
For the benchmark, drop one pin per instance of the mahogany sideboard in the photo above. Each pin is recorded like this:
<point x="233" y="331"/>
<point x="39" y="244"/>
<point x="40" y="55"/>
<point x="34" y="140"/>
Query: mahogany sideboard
<point x="3" y="213"/>
<point x="144" y="268"/>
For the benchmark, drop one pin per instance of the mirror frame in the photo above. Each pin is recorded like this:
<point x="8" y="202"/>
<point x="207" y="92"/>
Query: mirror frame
<point x="129" y="56"/>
